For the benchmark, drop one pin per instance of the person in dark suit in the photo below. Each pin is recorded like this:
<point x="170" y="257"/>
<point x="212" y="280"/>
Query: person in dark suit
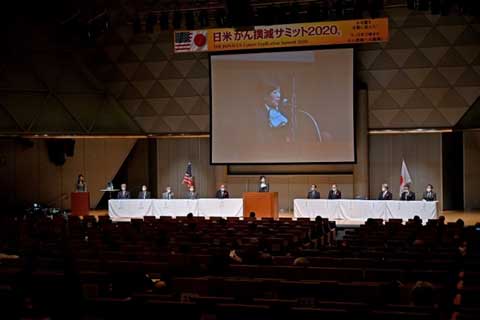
<point x="429" y="194"/>
<point x="263" y="185"/>
<point x="192" y="194"/>
<point x="385" y="194"/>
<point x="222" y="193"/>
<point x="334" y="193"/>
<point x="407" y="195"/>
<point x="144" y="194"/>
<point x="168" y="194"/>
<point x="313" y="193"/>
<point x="123" y="194"/>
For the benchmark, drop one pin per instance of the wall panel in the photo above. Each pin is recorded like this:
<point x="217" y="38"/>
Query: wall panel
<point x="422" y="153"/>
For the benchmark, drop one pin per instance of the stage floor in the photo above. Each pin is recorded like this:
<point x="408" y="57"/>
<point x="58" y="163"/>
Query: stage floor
<point x="469" y="217"/>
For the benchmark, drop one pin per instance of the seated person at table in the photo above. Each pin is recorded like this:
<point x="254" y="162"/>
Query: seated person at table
<point x="313" y="193"/>
<point x="334" y="193"/>
<point x="222" y="193"/>
<point x="385" y="194"/>
<point x="144" y="194"/>
<point x="429" y="194"/>
<point x="192" y="194"/>
<point x="263" y="185"/>
<point x="123" y="193"/>
<point x="168" y="194"/>
<point x="407" y="195"/>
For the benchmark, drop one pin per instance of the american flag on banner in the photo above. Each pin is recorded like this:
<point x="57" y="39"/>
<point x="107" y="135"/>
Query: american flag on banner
<point x="188" y="41"/>
<point x="187" y="177"/>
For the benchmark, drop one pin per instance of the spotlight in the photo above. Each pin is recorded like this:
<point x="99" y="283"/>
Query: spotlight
<point x="339" y="9"/>
<point x="294" y="13"/>
<point x="375" y="8"/>
<point x="411" y="4"/>
<point x="137" y="25"/>
<point x="203" y="18"/>
<point x="177" y="19"/>
<point x="164" y="21"/>
<point x="221" y="18"/>
<point x="150" y="22"/>
<point x="435" y="7"/>
<point x="423" y="5"/>
<point x="190" y="20"/>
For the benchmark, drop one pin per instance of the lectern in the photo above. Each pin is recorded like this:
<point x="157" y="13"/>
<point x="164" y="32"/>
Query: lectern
<point x="264" y="204"/>
<point x="80" y="203"/>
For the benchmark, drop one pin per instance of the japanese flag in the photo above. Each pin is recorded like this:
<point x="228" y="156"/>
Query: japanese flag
<point x="199" y="40"/>
<point x="404" y="176"/>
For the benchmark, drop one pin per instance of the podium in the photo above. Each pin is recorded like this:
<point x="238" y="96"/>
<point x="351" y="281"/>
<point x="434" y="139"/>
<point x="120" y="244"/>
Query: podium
<point x="80" y="203"/>
<point x="264" y="204"/>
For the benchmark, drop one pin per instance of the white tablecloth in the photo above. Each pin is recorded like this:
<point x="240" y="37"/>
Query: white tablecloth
<point x="119" y="209"/>
<point x="220" y="207"/>
<point x="361" y="210"/>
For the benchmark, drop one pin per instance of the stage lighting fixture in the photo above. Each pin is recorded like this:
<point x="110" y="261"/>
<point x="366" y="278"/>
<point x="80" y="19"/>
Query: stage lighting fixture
<point x="445" y="7"/>
<point x="164" y="21"/>
<point x="339" y="9"/>
<point x="423" y="5"/>
<point x="221" y="18"/>
<point x="240" y="13"/>
<point x="315" y="13"/>
<point x="137" y="25"/>
<point x="177" y="20"/>
<point x="150" y="22"/>
<point x="376" y="7"/>
<point x="189" y="20"/>
<point x="435" y="7"/>
<point x="294" y="16"/>
<point x="203" y="18"/>
<point x="411" y="4"/>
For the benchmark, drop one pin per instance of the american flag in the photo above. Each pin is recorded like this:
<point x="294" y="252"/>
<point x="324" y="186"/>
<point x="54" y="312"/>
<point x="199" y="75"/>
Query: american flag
<point x="187" y="177"/>
<point x="183" y="41"/>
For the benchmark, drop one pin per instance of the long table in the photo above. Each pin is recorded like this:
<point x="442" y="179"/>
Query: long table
<point x="119" y="209"/>
<point x="361" y="210"/>
<point x="339" y="210"/>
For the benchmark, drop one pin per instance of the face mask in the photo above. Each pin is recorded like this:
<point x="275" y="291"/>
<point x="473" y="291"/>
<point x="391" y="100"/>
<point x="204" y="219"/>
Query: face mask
<point x="191" y="190"/>
<point x="222" y="189"/>
<point x="429" y="190"/>
<point x="124" y="188"/>
<point x="168" y="190"/>
<point x="312" y="188"/>
<point x="144" y="189"/>
<point x="334" y="189"/>
<point x="383" y="189"/>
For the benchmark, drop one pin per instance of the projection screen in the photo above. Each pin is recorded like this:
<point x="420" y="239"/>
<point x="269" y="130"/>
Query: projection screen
<point x="282" y="107"/>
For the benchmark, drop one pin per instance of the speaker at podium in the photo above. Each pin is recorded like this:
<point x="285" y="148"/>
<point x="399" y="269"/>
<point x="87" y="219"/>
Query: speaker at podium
<point x="264" y="204"/>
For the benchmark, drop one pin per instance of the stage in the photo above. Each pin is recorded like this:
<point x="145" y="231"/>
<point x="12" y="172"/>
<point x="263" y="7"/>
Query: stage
<point x="470" y="217"/>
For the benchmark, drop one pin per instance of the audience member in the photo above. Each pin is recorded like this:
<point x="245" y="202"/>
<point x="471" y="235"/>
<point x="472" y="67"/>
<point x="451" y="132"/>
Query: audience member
<point x="422" y="294"/>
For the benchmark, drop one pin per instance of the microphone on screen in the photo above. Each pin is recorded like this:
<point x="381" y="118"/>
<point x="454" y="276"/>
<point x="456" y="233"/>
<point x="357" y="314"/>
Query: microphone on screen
<point x="285" y="102"/>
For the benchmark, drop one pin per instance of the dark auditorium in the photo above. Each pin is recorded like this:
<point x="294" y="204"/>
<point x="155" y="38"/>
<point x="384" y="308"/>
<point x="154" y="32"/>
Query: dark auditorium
<point x="240" y="160"/>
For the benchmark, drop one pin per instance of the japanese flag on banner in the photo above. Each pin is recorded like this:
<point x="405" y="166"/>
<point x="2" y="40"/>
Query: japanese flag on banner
<point x="404" y="176"/>
<point x="190" y="41"/>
